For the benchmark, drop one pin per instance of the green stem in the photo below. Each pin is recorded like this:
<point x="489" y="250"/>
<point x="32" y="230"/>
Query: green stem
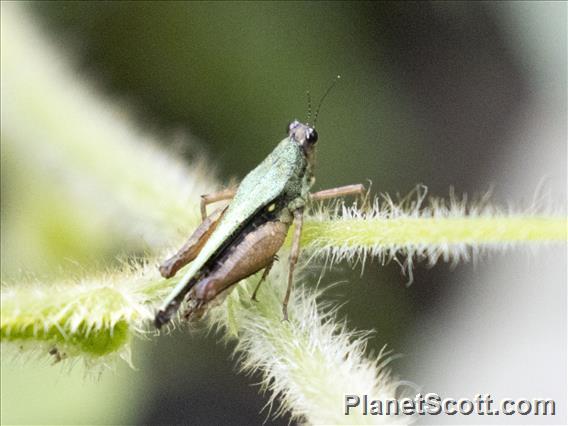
<point x="400" y="232"/>
<point x="93" y="317"/>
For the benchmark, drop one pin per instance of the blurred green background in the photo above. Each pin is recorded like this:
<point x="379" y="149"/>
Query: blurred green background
<point x="430" y="93"/>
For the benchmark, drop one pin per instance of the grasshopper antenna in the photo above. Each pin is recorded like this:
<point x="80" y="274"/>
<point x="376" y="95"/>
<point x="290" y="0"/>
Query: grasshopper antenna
<point x="331" y="86"/>
<point x="309" y="106"/>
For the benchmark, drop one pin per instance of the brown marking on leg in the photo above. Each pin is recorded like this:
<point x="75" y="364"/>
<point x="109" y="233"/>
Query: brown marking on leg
<point x="294" y="253"/>
<point x="225" y="194"/>
<point x="264" y="275"/>
<point x="340" y="191"/>
<point x="193" y="246"/>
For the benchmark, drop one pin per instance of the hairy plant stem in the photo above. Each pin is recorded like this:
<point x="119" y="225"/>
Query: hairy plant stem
<point x="309" y="363"/>
<point x="93" y="316"/>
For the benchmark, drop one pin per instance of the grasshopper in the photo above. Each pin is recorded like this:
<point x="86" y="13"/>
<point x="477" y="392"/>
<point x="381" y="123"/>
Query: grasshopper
<point x="243" y="238"/>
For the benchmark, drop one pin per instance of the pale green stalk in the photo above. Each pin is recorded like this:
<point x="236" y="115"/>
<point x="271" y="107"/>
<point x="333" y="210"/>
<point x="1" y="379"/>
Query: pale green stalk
<point x="413" y="228"/>
<point x="83" y="316"/>
<point x="310" y="362"/>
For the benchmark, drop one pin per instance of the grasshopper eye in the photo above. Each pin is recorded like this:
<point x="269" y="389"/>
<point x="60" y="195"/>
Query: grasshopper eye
<point x="311" y="136"/>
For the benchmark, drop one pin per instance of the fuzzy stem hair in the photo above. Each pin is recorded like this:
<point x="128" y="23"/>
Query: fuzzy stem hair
<point x="308" y="364"/>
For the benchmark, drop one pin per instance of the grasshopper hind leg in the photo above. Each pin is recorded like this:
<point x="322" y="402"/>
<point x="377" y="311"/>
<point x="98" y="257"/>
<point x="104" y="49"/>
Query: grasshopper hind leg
<point x="193" y="246"/>
<point x="164" y="316"/>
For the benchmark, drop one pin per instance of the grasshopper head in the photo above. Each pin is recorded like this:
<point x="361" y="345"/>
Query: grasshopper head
<point x="304" y="135"/>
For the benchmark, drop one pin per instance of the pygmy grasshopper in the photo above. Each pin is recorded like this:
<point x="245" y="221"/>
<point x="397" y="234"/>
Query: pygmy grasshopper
<point x="239" y="240"/>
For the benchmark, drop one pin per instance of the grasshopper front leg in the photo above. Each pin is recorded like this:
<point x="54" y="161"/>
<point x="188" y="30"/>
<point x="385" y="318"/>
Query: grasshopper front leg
<point x="294" y="253"/>
<point x="340" y="191"/>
